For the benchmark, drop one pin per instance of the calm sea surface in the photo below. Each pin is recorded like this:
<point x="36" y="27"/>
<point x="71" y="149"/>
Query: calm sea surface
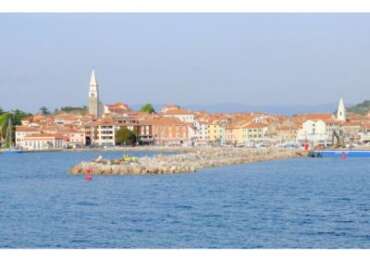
<point x="298" y="203"/>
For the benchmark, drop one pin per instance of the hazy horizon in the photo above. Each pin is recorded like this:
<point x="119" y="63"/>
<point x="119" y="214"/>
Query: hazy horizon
<point x="256" y="60"/>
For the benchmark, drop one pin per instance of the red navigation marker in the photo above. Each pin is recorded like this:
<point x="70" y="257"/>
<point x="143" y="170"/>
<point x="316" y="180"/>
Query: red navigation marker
<point x="88" y="175"/>
<point x="343" y="156"/>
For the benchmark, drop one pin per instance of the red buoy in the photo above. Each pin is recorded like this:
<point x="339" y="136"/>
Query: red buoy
<point x="343" y="156"/>
<point x="88" y="175"/>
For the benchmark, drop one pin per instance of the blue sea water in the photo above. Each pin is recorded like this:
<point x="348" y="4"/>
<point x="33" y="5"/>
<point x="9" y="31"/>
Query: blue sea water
<point x="296" y="203"/>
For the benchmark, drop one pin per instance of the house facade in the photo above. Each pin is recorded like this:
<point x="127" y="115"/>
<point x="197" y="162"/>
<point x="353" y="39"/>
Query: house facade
<point x="314" y="132"/>
<point x="42" y="142"/>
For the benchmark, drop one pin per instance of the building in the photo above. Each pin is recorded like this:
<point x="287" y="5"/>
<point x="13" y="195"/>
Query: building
<point x="42" y="142"/>
<point x="234" y="133"/>
<point x="105" y="132"/>
<point x="217" y="130"/>
<point x="118" y="108"/>
<point x="90" y="132"/>
<point x="23" y="131"/>
<point x="171" y="131"/>
<point x="364" y="134"/>
<point x="145" y="132"/>
<point x="67" y="119"/>
<point x="351" y="131"/>
<point x="94" y="104"/>
<point x="313" y="132"/>
<point x="178" y="112"/>
<point x="285" y="134"/>
<point x="74" y="138"/>
<point x="201" y="126"/>
<point x="283" y="130"/>
<point x="107" y="127"/>
<point x="254" y="133"/>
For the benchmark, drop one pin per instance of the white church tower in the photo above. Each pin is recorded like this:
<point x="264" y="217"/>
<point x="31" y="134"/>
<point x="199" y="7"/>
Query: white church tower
<point x="341" y="111"/>
<point x="94" y="100"/>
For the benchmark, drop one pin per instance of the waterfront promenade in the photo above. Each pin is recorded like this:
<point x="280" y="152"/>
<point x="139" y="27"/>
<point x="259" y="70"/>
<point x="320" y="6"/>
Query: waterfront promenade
<point x="185" y="160"/>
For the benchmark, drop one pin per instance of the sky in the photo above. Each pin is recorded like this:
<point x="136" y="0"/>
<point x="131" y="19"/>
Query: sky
<point x="187" y="59"/>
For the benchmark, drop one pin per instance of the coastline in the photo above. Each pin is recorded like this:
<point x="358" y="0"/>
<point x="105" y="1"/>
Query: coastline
<point x="147" y="148"/>
<point x="188" y="160"/>
<point x="115" y="149"/>
<point x="112" y="149"/>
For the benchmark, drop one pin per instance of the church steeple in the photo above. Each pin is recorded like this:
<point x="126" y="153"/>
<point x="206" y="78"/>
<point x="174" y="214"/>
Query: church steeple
<point x="93" y="79"/>
<point x="341" y="111"/>
<point x="94" y="102"/>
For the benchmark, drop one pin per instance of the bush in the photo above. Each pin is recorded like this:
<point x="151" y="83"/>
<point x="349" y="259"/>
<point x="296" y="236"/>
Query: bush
<point x="125" y="136"/>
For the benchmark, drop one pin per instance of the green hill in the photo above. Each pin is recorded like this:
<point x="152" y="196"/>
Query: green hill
<point x="362" y="108"/>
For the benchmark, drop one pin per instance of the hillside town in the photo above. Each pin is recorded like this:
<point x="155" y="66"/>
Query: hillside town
<point x="177" y="126"/>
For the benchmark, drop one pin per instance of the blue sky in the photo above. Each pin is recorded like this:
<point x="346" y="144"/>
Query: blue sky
<point x="253" y="59"/>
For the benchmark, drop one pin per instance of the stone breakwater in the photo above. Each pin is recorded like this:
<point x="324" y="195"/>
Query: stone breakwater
<point x="188" y="162"/>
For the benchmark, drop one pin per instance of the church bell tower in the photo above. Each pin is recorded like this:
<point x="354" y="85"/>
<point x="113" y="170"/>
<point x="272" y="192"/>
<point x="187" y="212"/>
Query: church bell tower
<point x="94" y="102"/>
<point x="341" y="111"/>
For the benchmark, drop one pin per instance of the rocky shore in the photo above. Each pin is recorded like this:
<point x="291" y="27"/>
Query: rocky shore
<point x="191" y="160"/>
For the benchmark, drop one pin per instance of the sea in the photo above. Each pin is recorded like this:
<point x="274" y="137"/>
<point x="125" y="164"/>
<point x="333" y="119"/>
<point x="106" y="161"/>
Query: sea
<point x="294" y="203"/>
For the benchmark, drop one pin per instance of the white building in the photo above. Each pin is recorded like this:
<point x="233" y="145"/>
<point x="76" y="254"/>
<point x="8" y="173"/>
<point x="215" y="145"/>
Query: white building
<point x="106" y="129"/>
<point x="23" y="131"/>
<point x="201" y="133"/>
<point x="314" y="132"/>
<point x="106" y="135"/>
<point x="42" y="142"/>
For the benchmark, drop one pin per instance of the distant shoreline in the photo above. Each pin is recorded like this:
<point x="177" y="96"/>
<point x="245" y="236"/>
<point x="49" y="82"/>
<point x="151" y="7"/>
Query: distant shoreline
<point x="154" y="148"/>
<point x="147" y="148"/>
<point x="117" y="149"/>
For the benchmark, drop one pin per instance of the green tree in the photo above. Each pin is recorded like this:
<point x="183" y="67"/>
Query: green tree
<point x="1" y="111"/>
<point x="15" y="116"/>
<point x="18" y="115"/>
<point x="148" y="108"/>
<point x="77" y="110"/>
<point x="44" y="110"/>
<point x="4" y="118"/>
<point x="125" y="136"/>
<point x="4" y="125"/>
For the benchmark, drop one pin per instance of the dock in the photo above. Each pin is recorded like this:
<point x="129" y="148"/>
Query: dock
<point x="340" y="154"/>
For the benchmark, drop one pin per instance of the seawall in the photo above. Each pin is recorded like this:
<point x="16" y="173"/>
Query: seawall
<point x="191" y="160"/>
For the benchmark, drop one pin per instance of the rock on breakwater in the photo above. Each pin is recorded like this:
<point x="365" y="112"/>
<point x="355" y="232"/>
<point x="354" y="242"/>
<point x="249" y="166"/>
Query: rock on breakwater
<point x="195" y="159"/>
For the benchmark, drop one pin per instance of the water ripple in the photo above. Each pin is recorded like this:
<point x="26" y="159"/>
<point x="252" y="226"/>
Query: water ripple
<point x="294" y="204"/>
